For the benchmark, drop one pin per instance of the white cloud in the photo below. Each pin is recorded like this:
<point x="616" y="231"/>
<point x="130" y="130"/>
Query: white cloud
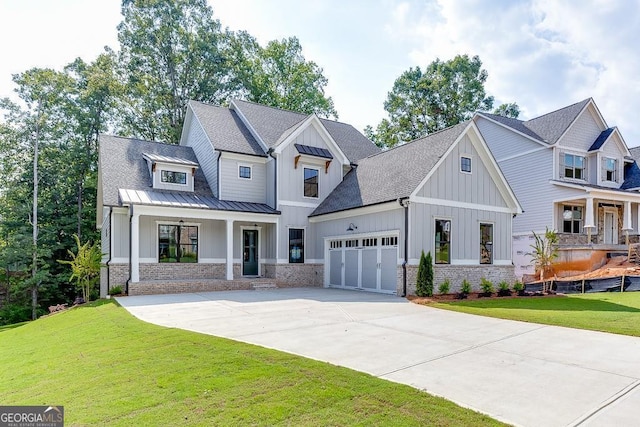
<point x="542" y="54"/>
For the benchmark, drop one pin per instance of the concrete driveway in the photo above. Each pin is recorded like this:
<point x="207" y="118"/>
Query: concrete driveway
<point x="524" y="374"/>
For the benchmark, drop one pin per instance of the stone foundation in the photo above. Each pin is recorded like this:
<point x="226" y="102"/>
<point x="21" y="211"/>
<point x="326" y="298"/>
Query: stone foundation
<point x="154" y="287"/>
<point x="457" y="273"/>
<point x="178" y="271"/>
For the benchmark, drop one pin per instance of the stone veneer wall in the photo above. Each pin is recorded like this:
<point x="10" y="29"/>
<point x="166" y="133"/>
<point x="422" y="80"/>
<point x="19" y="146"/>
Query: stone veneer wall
<point x="457" y="273"/>
<point x="294" y="275"/>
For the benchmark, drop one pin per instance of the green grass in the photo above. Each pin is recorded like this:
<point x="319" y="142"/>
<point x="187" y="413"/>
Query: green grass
<point x="108" y="368"/>
<point x="618" y="313"/>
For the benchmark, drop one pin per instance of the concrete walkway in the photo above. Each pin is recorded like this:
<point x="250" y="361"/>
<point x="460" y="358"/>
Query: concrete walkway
<point x="524" y="374"/>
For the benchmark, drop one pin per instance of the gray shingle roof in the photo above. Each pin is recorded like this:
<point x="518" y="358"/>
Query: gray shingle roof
<point x="635" y="153"/>
<point x="225" y="130"/>
<point x="188" y="200"/>
<point x="122" y="165"/>
<point x="390" y="174"/>
<point x="547" y="128"/>
<point x="601" y="139"/>
<point x="274" y="125"/>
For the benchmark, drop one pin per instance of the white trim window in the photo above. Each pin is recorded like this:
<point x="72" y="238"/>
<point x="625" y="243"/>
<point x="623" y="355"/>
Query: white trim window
<point x="311" y="185"/>
<point x="572" y="217"/>
<point x="465" y="164"/>
<point x="244" y="171"/>
<point x="574" y="166"/>
<point x="609" y="169"/>
<point x="173" y="177"/>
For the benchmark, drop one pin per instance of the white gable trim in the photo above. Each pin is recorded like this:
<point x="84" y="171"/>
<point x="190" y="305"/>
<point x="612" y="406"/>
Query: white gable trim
<point x="243" y="157"/>
<point x="233" y="106"/>
<point x="457" y="204"/>
<point x="489" y="161"/>
<point x="537" y="141"/>
<point x="314" y="121"/>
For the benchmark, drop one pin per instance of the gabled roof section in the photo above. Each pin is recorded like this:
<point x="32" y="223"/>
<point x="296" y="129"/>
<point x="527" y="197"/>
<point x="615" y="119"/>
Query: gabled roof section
<point x="274" y="125"/>
<point x="225" y="129"/>
<point x="313" y="151"/>
<point x="552" y="126"/>
<point x="122" y="165"/>
<point x="601" y="139"/>
<point x="547" y="128"/>
<point x="167" y="159"/>
<point x="391" y="174"/>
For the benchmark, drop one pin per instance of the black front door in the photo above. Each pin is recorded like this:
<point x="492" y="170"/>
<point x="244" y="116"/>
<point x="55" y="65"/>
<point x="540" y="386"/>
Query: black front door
<point x="250" y="253"/>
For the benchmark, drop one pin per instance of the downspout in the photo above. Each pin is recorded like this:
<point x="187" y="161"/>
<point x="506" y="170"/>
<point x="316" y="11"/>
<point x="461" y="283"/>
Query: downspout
<point x="110" y="251"/>
<point x="404" y="202"/>
<point x="275" y="178"/>
<point x="126" y="290"/>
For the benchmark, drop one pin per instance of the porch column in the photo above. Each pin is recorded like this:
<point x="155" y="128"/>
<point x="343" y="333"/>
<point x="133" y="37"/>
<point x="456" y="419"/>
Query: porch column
<point x="229" y="249"/>
<point x="135" y="248"/>
<point x="627" y="227"/>
<point x="589" y="223"/>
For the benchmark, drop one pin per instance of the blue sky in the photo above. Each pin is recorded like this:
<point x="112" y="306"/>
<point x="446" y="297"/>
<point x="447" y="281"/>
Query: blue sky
<point x="542" y="54"/>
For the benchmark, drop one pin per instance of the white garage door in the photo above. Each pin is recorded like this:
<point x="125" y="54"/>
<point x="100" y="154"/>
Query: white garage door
<point x="368" y="263"/>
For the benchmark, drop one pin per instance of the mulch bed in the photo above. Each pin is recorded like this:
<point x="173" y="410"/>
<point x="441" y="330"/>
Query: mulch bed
<point x="474" y="296"/>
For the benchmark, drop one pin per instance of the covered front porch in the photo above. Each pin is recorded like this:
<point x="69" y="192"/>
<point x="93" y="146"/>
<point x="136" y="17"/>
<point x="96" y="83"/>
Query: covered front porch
<point x="593" y="226"/>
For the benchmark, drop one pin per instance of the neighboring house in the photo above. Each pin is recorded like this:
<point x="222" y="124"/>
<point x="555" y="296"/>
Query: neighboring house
<point x="256" y="195"/>
<point x="572" y="173"/>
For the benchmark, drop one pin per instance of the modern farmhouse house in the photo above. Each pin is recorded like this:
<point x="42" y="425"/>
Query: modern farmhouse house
<point x="258" y="196"/>
<point x="573" y="174"/>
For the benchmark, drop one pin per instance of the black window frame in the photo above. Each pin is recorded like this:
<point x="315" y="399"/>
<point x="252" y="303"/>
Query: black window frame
<point x="174" y="248"/>
<point x="310" y="185"/>
<point x="296" y="245"/>
<point x="440" y="242"/>
<point x="486" y="244"/>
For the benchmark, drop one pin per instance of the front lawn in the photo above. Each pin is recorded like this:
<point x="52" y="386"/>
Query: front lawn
<point x="108" y="368"/>
<point x="617" y="313"/>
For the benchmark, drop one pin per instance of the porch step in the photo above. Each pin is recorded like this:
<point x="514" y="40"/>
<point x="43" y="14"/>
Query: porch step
<point x="634" y="253"/>
<point x="263" y="286"/>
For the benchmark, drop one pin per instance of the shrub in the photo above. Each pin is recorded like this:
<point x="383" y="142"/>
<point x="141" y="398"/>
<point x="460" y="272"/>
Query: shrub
<point x="503" y="289"/>
<point x="424" y="282"/>
<point x="116" y="290"/>
<point x="486" y="286"/>
<point x="518" y="286"/>
<point x="444" y="287"/>
<point x="466" y="287"/>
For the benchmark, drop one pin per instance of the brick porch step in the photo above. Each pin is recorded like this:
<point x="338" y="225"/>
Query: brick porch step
<point x="151" y="287"/>
<point x="264" y="286"/>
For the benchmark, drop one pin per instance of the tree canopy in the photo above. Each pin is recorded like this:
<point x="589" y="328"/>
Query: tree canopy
<point x="445" y="93"/>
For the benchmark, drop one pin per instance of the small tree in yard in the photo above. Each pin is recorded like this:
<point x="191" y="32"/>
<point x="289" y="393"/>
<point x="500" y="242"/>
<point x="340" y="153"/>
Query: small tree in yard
<point x="85" y="266"/>
<point x="545" y="251"/>
<point x="424" y="282"/>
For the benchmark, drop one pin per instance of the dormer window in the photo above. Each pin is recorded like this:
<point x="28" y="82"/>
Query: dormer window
<point x="610" y="169"/>
<point x="173" y="177"/>
<point x="574" y="166"/>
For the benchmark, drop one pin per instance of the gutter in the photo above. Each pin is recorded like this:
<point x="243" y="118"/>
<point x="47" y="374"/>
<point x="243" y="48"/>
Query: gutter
<point x="404" y="202"/>
<point x="275" y="178"/>
<point x="110" y="252"/>
<point x="126" y="290"/>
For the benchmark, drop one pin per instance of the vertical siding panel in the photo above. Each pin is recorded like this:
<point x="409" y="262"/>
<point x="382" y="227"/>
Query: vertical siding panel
<point x="204" y="151"/>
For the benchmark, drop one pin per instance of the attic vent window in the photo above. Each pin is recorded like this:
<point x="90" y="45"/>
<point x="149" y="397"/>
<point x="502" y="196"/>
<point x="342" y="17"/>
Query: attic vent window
<point x="465" y="164"/>
<point x="172" y="177"/>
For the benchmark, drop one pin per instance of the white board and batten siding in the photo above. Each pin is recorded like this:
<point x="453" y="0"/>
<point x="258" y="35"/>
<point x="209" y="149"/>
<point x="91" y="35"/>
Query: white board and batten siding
<point x="291" y="178"/>
<point x="467" y="200"/>
<point x="204" y="151"/>
<point x="120" y="235"/>
<point x="235" y="188"/>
